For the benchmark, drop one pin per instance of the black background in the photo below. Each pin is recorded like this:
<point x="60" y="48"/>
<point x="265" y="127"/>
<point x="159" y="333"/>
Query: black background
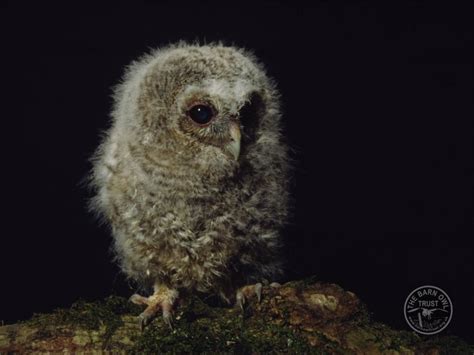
<point x="378" y="102"/>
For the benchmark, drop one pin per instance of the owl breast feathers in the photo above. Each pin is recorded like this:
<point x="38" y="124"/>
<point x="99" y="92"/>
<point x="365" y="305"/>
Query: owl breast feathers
<point x="192" y="173"/>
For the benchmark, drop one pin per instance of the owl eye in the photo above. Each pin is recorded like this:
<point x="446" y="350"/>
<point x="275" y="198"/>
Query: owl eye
<point x="201" y="114"/>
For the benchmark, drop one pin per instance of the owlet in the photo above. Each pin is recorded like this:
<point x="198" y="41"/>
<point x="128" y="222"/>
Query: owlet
<point x="192" y="174"/>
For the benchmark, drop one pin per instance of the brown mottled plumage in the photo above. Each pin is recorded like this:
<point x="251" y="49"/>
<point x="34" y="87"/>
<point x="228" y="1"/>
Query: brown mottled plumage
<point x="189" y="210"/>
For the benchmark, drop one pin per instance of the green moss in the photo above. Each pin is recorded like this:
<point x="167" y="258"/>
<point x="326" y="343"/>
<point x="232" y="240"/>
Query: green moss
<point x="196" y="328"/>
<point x="87" y="315"/>
<point x="208" y="336"/>
<point x="265" y="337"/>
<point x="199" y="328"/>
<point x="402" y="340"/>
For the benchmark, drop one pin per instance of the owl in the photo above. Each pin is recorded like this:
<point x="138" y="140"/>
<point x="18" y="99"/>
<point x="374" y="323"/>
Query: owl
<point x="192" y="175"/>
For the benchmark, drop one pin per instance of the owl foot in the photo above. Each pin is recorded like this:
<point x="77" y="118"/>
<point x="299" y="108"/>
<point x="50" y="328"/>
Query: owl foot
<point x="163" y="298"/>
<point x="246" y="292"/>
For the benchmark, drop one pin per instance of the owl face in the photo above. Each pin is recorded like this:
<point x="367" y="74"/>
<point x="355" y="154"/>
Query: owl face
<point x="208" y="99"/>
<point x="217" y="113"/>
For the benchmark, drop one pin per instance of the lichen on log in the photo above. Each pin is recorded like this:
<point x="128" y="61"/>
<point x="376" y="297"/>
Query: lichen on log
<point x="298" y="317"/>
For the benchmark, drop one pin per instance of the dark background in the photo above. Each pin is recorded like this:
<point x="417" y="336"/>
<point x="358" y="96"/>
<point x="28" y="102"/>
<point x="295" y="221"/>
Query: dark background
<point x="378" y="102"/>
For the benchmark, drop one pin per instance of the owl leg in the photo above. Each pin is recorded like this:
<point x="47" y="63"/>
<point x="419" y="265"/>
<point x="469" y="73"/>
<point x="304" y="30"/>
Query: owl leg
<point x="162" y="298"/>
<point x="248" y="291"/>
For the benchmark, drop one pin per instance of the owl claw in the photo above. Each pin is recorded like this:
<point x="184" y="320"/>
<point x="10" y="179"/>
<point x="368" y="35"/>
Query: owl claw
<point x="145" y="318"/>
<point x="143" y="321"/>
<point x="161" y="299"/>
<point x="240" y="300"/>
<point x="258" y="292"/>
<point x="167" y="316"/>
<point x="168" y="319"/>
<point x="244" y="293"/>
<point x="148" y="314"/>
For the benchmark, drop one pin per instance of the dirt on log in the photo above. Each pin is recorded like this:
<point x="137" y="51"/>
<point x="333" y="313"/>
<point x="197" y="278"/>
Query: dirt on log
<point x="298" y="317"/>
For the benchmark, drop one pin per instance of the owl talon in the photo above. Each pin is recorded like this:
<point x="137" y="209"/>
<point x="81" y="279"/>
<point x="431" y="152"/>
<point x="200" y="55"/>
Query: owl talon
<point x="240" y="300"/>
<point x="258" y="291"/>
<point x="244" y="293"/>
<point x="167" y="316"/>
<point x="144" y="320"/>
<point x="148" y="314"/>
<point x="168" y="319"/>
<point x="162" y="299"/>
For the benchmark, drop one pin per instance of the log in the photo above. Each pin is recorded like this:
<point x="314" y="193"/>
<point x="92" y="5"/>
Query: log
<point x="298" y="317"/>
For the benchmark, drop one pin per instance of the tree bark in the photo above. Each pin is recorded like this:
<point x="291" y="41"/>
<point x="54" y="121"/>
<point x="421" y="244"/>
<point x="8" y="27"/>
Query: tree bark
<point x="298" y="317"/>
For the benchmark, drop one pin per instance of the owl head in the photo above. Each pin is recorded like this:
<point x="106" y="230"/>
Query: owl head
<point x="208" y="105"/>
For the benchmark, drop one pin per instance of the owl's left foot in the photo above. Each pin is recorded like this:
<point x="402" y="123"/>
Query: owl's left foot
<point x="162" y="299"/>
<point x="249" y="291"/>
<point x="246" y="292"/>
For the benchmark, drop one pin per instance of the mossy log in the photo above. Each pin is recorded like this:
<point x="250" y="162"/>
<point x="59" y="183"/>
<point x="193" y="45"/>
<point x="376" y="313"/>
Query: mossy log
<point x="298" y="317"/>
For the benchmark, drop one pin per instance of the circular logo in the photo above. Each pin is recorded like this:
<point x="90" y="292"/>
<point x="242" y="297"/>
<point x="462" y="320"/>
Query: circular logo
<point x="428" y="310"/>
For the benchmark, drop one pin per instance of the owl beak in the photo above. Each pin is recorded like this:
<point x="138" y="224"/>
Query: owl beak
<point x="234" y="146"/>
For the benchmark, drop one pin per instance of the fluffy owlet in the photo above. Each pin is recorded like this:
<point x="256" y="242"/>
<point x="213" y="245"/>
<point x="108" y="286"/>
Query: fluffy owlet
<point x="192" y="175"/>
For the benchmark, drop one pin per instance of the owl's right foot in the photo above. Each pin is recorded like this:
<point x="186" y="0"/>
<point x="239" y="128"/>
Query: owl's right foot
<point x="162" y="299"/>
